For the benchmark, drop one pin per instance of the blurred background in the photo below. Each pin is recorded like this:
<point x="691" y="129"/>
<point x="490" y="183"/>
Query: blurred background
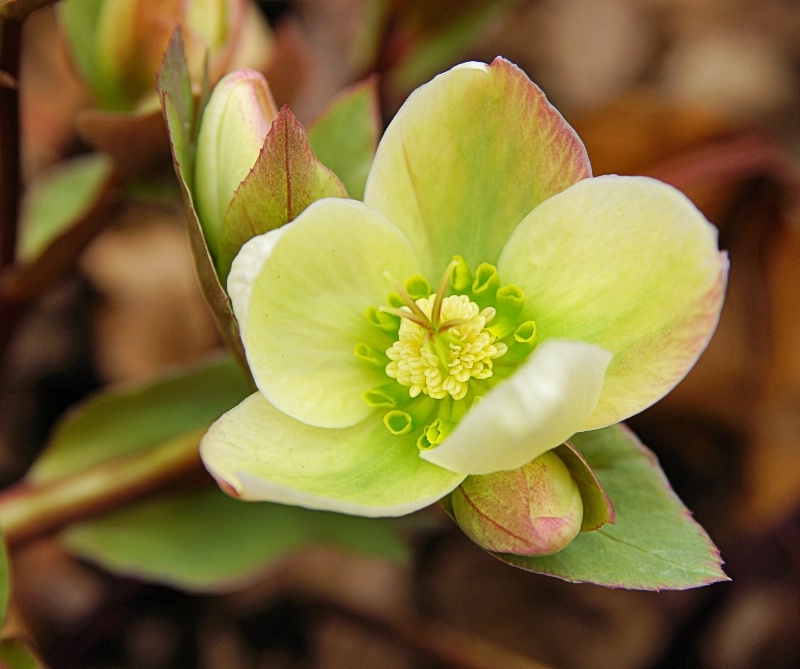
<point x="704" y="95"/>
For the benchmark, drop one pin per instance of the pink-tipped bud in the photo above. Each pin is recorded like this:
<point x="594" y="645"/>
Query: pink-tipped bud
<point x="534" y="510"/>
<point x="119" y="44"/>
<point x="235" y="123"/>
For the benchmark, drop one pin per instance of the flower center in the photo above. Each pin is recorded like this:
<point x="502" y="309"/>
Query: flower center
<point x="444" y="351"/>
<point x="440" y="361"/>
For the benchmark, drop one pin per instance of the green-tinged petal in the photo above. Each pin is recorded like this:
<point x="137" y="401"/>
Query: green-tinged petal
<point x="260" y="453"/>
<point x="629" y="264"/>
<point x="542" y="405"/>
<point x="467" y="157"/>
<point x="306" y="313"/>
<point x="244" y="270"/>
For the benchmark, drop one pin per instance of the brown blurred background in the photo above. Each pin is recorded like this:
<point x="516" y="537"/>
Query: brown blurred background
<point x="702" y="94"/>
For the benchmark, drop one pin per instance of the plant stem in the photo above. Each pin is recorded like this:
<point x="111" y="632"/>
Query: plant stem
<point x="30" y="510"/>
<point x="21" y="8"/>
<point x="10" y="186"/>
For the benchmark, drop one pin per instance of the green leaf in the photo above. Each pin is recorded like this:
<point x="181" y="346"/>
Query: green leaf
<point x="59" y="200"/>
<point x="208" y="541"/>
<point x="346" y="134"/>
<point x="124" y="420"/>
<point x="654" y="543"/>
<point x="175" y="89"/>
<point x="175" y="86"/>
<point x="16" y="654"/>
<point x="286" y="178"/>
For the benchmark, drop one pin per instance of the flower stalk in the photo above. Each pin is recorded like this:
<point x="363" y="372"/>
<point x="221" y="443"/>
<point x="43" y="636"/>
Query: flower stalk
<point x="10" y="183"/>
<point x="28" y="511"/>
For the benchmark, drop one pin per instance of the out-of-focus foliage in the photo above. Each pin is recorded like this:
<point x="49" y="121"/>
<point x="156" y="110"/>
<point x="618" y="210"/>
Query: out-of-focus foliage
<point x="59" y="200"/>
<point x="123" y="421"/>
<point x="205" y="541"/>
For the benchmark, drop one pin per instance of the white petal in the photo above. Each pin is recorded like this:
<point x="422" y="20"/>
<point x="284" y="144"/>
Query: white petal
<point x="546" y="401"/>
<point x="246" y="267"/>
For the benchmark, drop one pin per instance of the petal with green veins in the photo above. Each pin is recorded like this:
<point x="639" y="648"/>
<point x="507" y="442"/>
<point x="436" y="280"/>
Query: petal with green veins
<point x="262" y="454"/>
<point x="542" y="405"/>
<point x="629" y="264"/>
<point x="306" y="311"/>
<point x="467" y="157"/>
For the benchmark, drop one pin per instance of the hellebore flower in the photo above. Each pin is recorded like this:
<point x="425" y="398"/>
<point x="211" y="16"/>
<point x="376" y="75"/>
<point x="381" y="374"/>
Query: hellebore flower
<point x="484" y="303"/>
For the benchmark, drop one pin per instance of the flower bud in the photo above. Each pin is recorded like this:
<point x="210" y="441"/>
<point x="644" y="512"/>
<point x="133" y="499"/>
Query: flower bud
<point x="119" y="44"/>
<point x="234" y="125"/>
<point x="533" y="510"/>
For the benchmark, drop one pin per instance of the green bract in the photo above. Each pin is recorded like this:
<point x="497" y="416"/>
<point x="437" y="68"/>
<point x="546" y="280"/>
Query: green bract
<point x="484" y="303"/>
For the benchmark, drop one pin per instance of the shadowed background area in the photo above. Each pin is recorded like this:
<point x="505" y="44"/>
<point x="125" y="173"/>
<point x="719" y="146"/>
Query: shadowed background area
<point x="705" y="96"/>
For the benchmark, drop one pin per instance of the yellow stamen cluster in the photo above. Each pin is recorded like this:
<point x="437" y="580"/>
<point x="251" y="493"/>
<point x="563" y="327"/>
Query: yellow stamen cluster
<point x="440" y="360"/>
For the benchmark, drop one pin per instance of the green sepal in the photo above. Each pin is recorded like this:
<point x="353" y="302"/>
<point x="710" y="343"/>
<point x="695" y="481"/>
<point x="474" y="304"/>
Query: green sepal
<point x="286" y="178"/>
<point x="597" y="507"/>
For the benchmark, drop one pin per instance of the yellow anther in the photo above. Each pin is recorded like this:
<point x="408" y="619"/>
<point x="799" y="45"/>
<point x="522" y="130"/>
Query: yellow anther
<point x="442" y="362"/>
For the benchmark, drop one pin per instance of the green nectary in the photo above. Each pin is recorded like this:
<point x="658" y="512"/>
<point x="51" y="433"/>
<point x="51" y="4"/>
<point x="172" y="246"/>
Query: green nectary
<point x="444" y="350"/>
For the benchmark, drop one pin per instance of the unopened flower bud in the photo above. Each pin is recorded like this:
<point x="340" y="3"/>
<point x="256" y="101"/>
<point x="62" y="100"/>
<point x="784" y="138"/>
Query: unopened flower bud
<point x="534" y="510"/>
<point x="234" y="125"/>
<point x="119" y="44"/>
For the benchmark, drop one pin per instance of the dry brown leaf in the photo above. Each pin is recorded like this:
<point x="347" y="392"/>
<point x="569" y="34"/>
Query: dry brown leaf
<point x="152" y="313"/>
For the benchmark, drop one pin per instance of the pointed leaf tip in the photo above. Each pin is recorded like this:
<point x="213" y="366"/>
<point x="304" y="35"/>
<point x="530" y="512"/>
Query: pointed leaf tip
<point x="286" y="178"/>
